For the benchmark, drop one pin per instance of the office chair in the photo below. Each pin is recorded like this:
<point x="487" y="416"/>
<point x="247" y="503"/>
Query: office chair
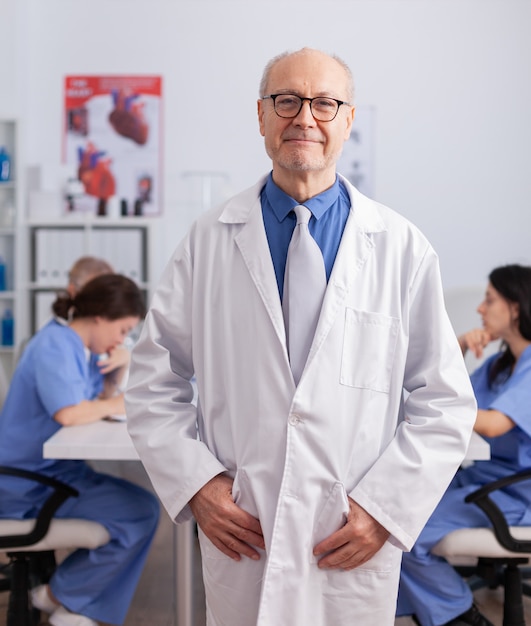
<point x="500" y="551"/>
<point x="30" y="545"/>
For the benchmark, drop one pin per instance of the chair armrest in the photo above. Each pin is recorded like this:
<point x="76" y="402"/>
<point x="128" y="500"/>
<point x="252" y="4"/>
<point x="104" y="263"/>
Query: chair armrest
<point x="480" y="498"/>
<point x="61" y="491"/>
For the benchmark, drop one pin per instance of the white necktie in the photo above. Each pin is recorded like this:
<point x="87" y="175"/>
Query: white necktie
<point x="304" y="288"/>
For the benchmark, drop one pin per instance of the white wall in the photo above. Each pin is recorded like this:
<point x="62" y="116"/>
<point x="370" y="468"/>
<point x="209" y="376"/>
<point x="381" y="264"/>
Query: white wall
<point x="450" y="81"/>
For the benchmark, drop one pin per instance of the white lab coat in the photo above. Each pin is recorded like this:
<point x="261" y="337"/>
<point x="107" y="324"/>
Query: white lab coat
<point x="296" y="452"/>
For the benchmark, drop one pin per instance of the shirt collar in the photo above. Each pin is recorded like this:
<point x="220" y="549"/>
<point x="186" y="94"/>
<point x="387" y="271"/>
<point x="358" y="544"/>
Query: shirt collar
<point x="282" y="204"/>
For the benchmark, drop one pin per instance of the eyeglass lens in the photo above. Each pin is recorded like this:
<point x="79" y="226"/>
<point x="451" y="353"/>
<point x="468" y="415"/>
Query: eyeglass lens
<point x="323" y="109"/>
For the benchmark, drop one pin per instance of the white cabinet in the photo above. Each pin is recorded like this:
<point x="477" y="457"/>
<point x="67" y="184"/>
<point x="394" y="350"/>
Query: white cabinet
<point x="9" y="249"/>
<point x="125" y="243"/>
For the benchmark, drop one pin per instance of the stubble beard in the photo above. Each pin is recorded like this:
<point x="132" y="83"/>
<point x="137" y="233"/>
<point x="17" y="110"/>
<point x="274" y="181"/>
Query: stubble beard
<point x="299" y="161"/>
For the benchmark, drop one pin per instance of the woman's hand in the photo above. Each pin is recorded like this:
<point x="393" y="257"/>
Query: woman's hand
<point x="475" y="340"/>
<point x="114" y="366"/>
<point x="117" y="358"/>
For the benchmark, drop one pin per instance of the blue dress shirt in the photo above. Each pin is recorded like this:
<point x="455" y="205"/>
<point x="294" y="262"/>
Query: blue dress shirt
<point x="329" y="209"/>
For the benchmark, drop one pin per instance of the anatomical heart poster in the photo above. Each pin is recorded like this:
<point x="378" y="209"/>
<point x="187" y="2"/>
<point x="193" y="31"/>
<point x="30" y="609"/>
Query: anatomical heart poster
<point x="112" y="144"/>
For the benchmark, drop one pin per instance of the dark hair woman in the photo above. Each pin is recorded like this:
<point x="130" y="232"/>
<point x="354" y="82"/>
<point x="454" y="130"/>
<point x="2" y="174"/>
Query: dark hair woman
<point x="430" y="588"/>
<point x="61" y="380"/>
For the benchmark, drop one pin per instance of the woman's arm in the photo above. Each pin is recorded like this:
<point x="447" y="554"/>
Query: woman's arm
<point x="113" y="367"/>
<point x="492" y="423"/>
<point x="88" y="411"/>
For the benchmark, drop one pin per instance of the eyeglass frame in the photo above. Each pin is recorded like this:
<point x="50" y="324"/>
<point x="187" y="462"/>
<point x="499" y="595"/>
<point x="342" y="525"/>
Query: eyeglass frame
<point x="274" y="96"/>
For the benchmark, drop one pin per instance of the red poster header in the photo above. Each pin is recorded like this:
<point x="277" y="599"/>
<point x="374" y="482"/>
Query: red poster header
<point x="79" y="89"/>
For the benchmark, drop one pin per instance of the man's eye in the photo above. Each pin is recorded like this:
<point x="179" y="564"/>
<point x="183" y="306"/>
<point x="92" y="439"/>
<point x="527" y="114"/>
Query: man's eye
<point x="287" y="101"/>
<point x="324" y="103"/>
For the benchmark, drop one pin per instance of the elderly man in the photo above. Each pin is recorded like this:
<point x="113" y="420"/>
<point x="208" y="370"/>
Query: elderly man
<point x="306" y="466"/>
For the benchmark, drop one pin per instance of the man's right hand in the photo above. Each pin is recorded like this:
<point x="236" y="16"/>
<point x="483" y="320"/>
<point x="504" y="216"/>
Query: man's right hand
<point x="231" y="529"/>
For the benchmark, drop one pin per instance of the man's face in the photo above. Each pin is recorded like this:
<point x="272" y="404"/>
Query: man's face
<point x="303" y="143"/>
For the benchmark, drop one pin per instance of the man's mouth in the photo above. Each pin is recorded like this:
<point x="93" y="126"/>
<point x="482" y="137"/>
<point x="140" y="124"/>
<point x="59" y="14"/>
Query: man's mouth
<point x="302" y="138"/>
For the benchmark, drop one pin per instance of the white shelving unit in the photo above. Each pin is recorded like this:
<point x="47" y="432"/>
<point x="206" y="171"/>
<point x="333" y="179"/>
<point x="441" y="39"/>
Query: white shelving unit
<point x="10" y="220"/>
<point x="38" y="252"/>
<point x="126" y="243"/>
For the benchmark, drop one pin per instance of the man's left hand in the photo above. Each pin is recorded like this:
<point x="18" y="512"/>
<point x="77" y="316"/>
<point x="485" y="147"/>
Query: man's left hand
<point x="354" y="544"/>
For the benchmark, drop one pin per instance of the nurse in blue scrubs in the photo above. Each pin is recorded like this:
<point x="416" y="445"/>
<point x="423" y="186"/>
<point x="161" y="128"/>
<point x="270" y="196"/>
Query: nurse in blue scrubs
<point x="60" y="381"/>
<point x="430" y="589"/>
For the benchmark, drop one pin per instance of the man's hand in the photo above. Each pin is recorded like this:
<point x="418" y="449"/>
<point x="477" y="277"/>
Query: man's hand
<point x="231" y="529"/>
<point x="354" y="544"/>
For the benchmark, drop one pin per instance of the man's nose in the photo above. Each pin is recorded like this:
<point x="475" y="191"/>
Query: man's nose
<point x="305" y="117"/>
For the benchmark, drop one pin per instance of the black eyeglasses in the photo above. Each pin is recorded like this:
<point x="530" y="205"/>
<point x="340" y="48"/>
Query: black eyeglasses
<point x="289" y="105"/>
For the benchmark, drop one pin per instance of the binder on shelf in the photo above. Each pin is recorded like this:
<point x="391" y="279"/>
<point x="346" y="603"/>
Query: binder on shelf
<point x="42" y="308"/>
<point x="124" y="249"/>
<point x="56" y="249"/>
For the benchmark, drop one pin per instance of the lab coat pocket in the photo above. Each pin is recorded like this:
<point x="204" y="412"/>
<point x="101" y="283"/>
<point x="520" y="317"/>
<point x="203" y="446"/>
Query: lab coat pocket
<point x="386" y="560"/>
<point x="331" y="517"/>
<point x="243" y="494"/>
<point x="208" y="549"/>
<point x="369" y="345"/>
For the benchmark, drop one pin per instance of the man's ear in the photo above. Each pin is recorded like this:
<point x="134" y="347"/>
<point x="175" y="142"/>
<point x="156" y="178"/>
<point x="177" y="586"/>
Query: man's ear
<point x="261" y="112"/>
<point x="349" y="121"/>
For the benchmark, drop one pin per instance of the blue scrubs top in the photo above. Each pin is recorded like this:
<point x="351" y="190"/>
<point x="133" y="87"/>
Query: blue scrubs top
<point x="512" y="397"/>
<point x="55" y="371"/>
<point x="511" y="452"/>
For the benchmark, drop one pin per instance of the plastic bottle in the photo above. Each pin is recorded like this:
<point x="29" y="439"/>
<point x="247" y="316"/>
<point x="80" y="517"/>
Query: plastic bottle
<point x="2" y="274"/>
<point x="139" y="207"/>
<point x="8" y="328"/>
<point x="5" y="165"/>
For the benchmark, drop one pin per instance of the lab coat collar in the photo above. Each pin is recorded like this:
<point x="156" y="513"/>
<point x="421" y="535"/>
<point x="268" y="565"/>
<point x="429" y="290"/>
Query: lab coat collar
<point x="238" y="209"/>
<point x="367" y="218"/>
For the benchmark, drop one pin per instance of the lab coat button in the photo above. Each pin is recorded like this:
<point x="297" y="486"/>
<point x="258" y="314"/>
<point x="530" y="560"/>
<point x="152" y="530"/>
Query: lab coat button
<point x="294" y="420"/>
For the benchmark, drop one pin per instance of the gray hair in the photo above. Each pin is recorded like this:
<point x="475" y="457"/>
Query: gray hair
<point x="271" y="64"/>
<point x="86" y="268"/>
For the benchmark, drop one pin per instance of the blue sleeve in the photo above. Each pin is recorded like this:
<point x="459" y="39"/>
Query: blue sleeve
<point x="480" y="382"/>
<point x="96" y="377"/>
<point x="515" y="399"/>
<point x="511" y="397"/>
<point x="60" y="373"/>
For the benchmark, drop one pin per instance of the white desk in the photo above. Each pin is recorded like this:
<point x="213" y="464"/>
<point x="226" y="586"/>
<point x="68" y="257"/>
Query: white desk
<point x="105" y="440"/>
<point x="110" y="441"/>
<point x="478" y="449"/>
